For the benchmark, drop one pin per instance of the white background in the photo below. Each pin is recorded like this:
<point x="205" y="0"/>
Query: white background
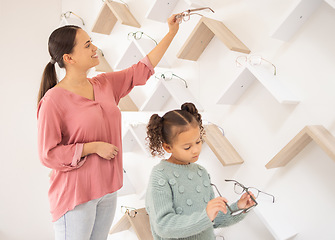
<point x="257" y="125"/>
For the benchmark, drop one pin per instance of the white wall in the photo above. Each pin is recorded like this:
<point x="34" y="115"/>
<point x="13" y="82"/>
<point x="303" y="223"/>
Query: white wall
<point x="257" y="125"/>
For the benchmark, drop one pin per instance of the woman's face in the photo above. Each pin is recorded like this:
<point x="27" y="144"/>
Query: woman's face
<point x="84" y="54"/>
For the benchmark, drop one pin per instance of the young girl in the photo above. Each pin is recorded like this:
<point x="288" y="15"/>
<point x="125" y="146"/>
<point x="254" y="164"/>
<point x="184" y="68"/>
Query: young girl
<point x="180" y="200"/>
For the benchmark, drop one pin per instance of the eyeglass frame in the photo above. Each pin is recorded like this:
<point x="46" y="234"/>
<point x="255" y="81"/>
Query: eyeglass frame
<point x="247" y="58"/>
<point x="180" y="16"/>
<point x="162" y="76"/>
<point x="246" y="189"/>
<point x="133" y="34"/>
<point x="68" y="13"/>
<point x="129" y="210"/>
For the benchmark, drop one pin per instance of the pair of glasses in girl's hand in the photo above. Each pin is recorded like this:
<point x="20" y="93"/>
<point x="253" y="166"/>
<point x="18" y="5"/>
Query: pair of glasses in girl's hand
<point x="129" y="210"/>
<point x="185" y="15"/>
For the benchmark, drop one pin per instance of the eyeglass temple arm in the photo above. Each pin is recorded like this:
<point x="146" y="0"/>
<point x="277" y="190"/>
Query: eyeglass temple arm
<point x="275" y="71"/>
<point x="199" y="9"/>
<point x="181" y="79"/>
<point x="273" y="197"/>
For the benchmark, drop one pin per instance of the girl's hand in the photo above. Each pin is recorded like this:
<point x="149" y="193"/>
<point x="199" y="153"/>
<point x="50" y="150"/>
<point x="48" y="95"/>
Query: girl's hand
<point x="173" y="24"/>
<point x="245" y="201"/>
<point x="214" y="206"/>
<point x="106" y="150"/>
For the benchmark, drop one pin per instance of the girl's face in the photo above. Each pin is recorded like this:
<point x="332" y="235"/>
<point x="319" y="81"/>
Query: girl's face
<point x="186" y="146"/>
<point x="84" y="52"/>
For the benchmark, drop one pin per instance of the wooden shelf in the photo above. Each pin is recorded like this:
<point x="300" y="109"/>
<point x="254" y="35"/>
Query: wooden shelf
<point x="274" y="219"/>
<point x="134" y="138"/>
<point x="110" y="13"/>
<point x="296" y="17"/>
<point x="140" y="223"/>
<point x="220" y="146"/>
<point x="247" y="76"/>
<point x="103" y="65"/>
<point x="316" y="133"/>
<point x="169" y="92"/>
<point x="137" y="50"/>
<point x="161" y="10"/>
<point x="203" y="33"/>
<point x="127" y="104"/>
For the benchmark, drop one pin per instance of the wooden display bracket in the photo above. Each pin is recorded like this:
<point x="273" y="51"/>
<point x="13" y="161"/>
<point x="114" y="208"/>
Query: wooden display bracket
<point x="247" y="76"/>
<point x="135" y="137"/>
<point x="220" y="146"/>
<point x="171" y="90"/>
<point x="317" y="133"/>
<point x="140" y="223"/>
<point x="103" y="65"/>
<point x="203" y="33"/>
<point x="136" y="50"/>
<point x="110" y="13"/>
<point x="296" y="17"/>
<point x="127" y="104"/>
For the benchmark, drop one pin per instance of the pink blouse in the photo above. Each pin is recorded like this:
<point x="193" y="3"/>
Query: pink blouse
<point x="66" y="121"/>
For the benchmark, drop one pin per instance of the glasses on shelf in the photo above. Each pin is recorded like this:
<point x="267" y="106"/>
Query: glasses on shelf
<point x="186" y="15"/>
<point x="169" y="76"/>
<point x="129" y="210"/>
<point x="120" y="1"/>
<point x="68" y="14"/>
<point x="138" y="35"/>
<point x="253" y="60"/>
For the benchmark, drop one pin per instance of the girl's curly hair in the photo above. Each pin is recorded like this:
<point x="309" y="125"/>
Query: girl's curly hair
<point x="164" y="129"/>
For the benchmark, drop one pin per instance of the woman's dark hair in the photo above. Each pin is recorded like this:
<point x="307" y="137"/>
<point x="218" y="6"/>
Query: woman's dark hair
<point x="164" y="129"/>
<point x="61" y="41"/>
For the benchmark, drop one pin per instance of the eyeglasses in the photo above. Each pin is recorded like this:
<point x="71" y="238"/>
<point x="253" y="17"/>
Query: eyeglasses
<point x="185" y="15"/>
<point x="168" y="76"/>
<point x="253" y="60"/>
<point x="68" y="13"/>
<point x="138" y="35"/>
<point x="129" y="210"/>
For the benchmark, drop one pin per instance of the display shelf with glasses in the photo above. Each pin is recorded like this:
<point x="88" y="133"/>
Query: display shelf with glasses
<point x="203" y="33"/>
<point x="110" y="13"/>
<point x="268" y="78"/>
<point x="161" y="10"/>
<point x="138" y="219"/>
<point x="295" y="18"/>
<point x="103" y="64"/>
<point x="70" y="18"/>
<point x="220" y="146"/>
<point x="136" y="50"/>
<point x="317" y="133"/>
<point x="172" y="92"/>
<point x="134" y="138"/>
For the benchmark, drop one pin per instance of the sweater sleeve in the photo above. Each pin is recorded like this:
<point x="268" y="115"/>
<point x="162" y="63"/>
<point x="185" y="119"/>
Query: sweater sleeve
<point x="164" y="219"/>
<point x="122" y="82"/>
<point x="53" y="154"/>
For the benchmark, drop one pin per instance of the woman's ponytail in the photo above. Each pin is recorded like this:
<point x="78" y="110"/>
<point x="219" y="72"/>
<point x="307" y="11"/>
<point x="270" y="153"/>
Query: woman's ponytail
<point x="49" y="80"/>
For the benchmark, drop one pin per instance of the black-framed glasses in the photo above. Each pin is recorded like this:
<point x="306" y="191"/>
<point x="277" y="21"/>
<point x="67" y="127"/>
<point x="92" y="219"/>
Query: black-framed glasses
<point x="169" y="76"/>
<point x="129" y="210"/>
<point x="68" y="14"/>
<point x="186" y="15"/>
<point x="138" y="35"/>
<point x="240" y="188"/>
<point x="253" y="60"/>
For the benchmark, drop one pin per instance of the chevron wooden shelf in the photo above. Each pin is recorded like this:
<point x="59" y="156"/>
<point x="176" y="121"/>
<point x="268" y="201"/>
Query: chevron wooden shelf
<point x="127" y="104"/>
<point x="110" y="13"/>
<point x="103" y="65"/>
<point x="317" y="133"/>
<point x="140" y="223"/>
<point x="220" y="146"/>
<point x="203" y="33"/>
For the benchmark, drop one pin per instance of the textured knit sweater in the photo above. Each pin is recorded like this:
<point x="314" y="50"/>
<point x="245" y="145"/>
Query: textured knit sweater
<point x="176" y="202"/>
<point x="66" y="121"/>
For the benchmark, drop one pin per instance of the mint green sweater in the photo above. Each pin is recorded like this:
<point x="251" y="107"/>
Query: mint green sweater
<point x="176" y="202"/>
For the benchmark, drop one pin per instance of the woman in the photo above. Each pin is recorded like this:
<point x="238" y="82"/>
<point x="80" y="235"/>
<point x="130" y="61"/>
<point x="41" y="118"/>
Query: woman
<point x="79" y="131"/>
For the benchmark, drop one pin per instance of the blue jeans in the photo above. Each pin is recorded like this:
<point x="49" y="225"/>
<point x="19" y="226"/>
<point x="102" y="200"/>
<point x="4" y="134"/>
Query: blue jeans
<point x="88" y="221"/>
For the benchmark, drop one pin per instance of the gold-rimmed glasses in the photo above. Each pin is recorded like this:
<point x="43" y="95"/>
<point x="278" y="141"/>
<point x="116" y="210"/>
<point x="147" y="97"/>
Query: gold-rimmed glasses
<point x="129" y="210"/>
<point x="169" y="76"/>
<point x="185" y="15"/>
<point x="253" y="60"/>
<point x="68" y="14"/>
<point x="138" y="35"/>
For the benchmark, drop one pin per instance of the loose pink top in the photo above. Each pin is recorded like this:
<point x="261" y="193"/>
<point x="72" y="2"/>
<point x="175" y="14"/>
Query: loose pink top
<point x="66" y="121"/>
